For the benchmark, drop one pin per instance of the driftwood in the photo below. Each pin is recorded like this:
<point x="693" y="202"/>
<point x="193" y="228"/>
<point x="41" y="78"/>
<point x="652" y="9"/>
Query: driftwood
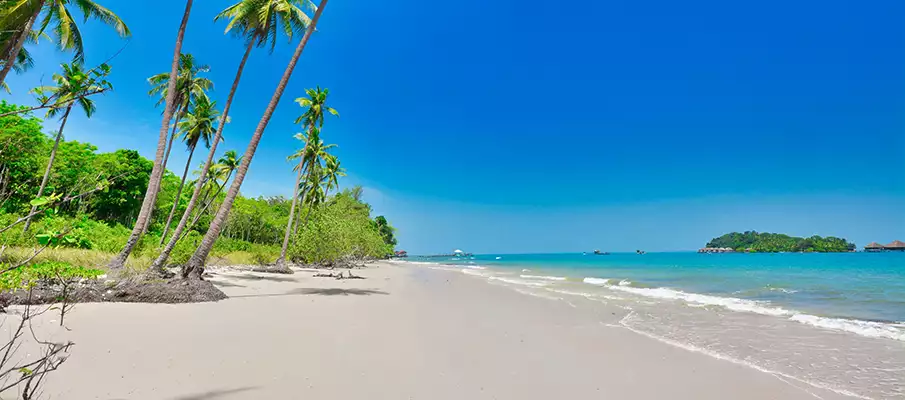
<point x="338" y="275"/>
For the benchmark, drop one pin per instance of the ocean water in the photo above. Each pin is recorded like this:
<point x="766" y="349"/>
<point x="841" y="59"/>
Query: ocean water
<point x="834" y="321"/>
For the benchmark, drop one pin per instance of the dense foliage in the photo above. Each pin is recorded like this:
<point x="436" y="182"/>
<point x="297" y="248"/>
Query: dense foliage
<point x="340" y="228"/>
<point x="777" y="242"/>
<point x="101" y="220"/>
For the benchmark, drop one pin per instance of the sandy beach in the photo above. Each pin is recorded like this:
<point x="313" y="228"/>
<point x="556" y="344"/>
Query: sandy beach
<point x="405" y="332"/>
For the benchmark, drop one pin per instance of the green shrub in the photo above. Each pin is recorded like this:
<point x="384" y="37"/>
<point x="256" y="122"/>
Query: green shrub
<point x="27" y="276"/>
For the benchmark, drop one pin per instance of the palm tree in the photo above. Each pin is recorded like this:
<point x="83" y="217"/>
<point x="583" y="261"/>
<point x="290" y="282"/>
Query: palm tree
<point x="332" y="173"/>
<point x="195" y="265"/>
<point x="313" y="119"/>
<point x="259" y="23"/>
<point x="188" y="87"/>
<point x="23" y="60"/>
<point x="310" y="166"/>
<point x="20" y="16"/>
<point x="70" y="90"/>
<point x="147" y="205"/>
<point x="224" y="168"/>
<point x="197" y="126"/>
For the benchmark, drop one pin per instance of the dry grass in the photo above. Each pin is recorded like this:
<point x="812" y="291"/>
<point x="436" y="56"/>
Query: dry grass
<point x="138" y="262"/>
<point x="81" y="257"/>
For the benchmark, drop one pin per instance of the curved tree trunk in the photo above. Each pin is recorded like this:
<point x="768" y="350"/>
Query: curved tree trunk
<point x="147" y="206"/>
<point x="165" y="253"/>
<point x="206" y="206"/>
<point x="295" y="198"/>
<point x="53" y="155"/>
<point x="20" y="41"/>
<point x="185" y="173"/>
<point x="166" y="159"/>
<point x="195" y="266"/>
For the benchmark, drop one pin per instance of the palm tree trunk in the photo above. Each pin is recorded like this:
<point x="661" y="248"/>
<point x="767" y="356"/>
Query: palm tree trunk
<point x="295" y="198"/>
<point x="20" y="41"/>
<point x="165" y="253"/>
<point x="205" y="207"/>
<point x="195" y="266"/>
<point x="185" y="173"/>
<point x="53" y="155"/>
<point x="166" y="159"/>
<point x="295" y="229"/>
<point x="147" y="206"/>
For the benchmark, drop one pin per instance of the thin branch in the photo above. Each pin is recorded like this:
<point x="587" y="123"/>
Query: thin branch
<point x="64" y="200"/>
<point x="54" y="105"/>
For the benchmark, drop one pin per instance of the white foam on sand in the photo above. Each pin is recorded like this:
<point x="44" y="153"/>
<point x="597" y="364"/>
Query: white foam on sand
<point x="779" y="375"/>
<point x="596" y="281"/>
<point x="859" y="327"/>
<point x="544" y="277"/>
<point x="730" y="303"/>
<point x="863" y="328"/>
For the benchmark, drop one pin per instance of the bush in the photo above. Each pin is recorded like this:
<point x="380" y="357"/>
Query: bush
<point x="336" y="230"/>
<point x="50" y="272"/>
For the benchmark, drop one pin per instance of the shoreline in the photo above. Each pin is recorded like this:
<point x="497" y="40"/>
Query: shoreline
<point x="717" y="326"/>
<point x="404" y="332"/>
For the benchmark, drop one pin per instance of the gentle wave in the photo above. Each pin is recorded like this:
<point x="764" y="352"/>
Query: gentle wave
<point x="730" y="303"/>
<point x="859" y="327"/>
<point x="549" y="278"/>
<point x="863" y="328"/>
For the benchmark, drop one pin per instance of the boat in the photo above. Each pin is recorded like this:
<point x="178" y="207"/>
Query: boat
<point x="599" y="253"/>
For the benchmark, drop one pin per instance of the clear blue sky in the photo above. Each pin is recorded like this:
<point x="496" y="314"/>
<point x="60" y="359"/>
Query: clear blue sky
<point x="528" y="126"/>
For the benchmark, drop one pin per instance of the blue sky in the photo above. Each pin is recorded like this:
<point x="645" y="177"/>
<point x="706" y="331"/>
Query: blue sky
<point x="504" y="126"/>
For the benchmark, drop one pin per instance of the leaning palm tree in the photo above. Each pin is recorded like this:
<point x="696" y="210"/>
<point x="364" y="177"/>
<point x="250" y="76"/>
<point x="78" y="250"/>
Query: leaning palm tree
<point x="197" y="126"/>
<point x="23" y="60"/>
<point x="259" y="23"/>
<point x="195" y="265"/>
<point x="20" y="16"/>
<point x="189" y="86"/>
<point x="147" y="205"/>
<point x="312" y="119"/>
<point x="70" y="91"/>
<point x="225" y="167"/>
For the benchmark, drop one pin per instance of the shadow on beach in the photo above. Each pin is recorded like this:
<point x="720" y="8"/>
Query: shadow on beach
<point x="319" y="292"/>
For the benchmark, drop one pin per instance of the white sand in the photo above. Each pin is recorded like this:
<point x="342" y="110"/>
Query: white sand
<point x="406" y="332"/>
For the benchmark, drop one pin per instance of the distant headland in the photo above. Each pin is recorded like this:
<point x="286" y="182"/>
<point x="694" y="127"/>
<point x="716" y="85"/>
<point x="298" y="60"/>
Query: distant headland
<point x="755" y="242"/>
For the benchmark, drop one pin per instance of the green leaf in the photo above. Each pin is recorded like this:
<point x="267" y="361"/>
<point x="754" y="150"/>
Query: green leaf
<point x="44" y="238"/>
<point x="40" y="201"/>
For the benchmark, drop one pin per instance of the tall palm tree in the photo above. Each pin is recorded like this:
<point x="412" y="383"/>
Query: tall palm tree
<point x="195" y="265"/>
<point x="258" y="22"/>
<point x="21" y="15"/>
<point x="70" y="91"/>
<point x="197" y="126"/>
<point x="315" y="106"/>
<point x="189" y="85"/>
<point x="147" y="205"/>
<point x="323" y="171"/>
<point x="23" y="60"/>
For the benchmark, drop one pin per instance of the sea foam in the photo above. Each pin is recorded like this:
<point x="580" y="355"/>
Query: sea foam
<point x="544" y="277"/>
<point x="863" y="328"/>
<point x="596" y="281"/>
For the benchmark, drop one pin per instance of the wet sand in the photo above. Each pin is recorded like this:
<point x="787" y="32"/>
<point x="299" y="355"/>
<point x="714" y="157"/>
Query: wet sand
<point x="405" y="332"/>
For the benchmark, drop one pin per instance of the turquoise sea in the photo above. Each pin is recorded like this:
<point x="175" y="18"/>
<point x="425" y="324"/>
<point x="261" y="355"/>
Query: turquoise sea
<point x="833" y="320"/>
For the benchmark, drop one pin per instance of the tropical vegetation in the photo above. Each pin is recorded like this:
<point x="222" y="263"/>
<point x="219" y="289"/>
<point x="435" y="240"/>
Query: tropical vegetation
<point x="776" y="242"/>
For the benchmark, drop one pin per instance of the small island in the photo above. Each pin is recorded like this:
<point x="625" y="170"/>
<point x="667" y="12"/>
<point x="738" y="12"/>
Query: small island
<point x="755" y="242"/>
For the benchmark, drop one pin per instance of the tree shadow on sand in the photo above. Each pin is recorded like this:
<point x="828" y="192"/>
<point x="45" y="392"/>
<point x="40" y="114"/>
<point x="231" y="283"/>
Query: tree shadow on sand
<point x="213" y="394"/>
<point x="337" y="291"/>
<point x="268" y="277"/>
<point x="318" y="292"/>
